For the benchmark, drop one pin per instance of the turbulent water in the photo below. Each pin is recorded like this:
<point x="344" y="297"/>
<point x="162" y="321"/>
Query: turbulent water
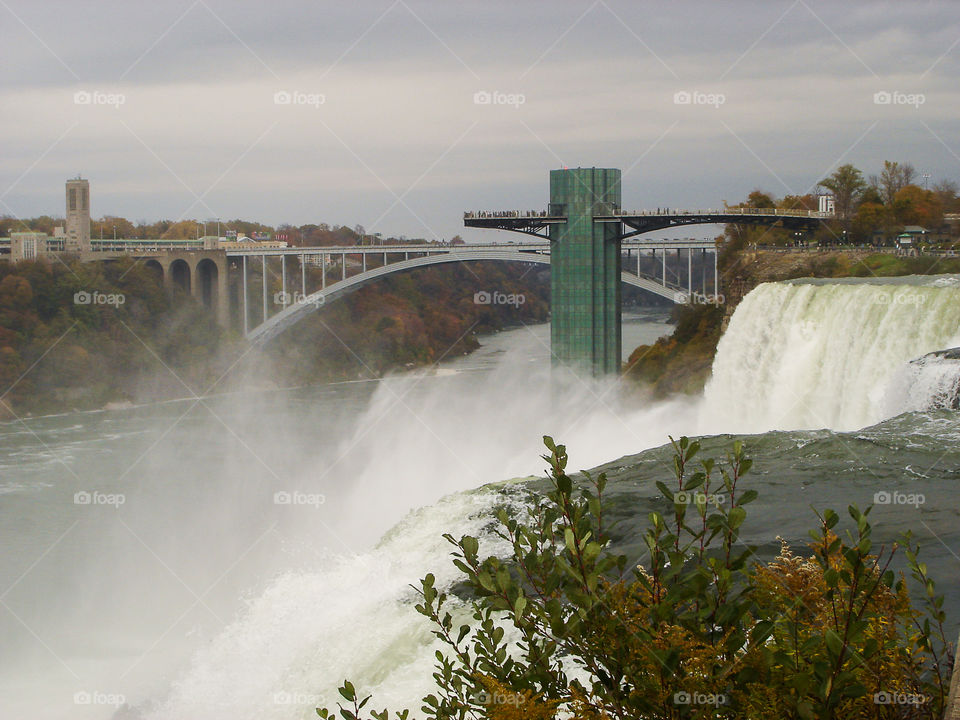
<point x="266" y="544"/>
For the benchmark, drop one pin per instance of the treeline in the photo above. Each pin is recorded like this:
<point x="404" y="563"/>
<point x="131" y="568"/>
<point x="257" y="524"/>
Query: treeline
<point x="109" y="226"/>
<point x="83" y="335"/>
<point x="868" y="208"/>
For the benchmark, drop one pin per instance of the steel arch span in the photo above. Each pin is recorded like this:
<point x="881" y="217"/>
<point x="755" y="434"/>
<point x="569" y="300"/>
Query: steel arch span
<point x="291" y="315"/>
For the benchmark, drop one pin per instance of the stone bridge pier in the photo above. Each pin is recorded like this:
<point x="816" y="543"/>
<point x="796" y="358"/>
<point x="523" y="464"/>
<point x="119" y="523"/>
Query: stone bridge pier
<point x="202" y="273"/>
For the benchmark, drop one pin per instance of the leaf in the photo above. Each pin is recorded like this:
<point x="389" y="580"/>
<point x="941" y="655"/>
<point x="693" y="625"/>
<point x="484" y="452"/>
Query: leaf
<point x="736" y="517"/>
<point x="519" y="605"/>
<point x="834" y="641"/>
<point x="470" y="546"/>
<point x="762" y="630"/>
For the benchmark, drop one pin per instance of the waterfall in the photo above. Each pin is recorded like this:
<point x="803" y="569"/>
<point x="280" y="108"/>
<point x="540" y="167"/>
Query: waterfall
<point x="823" y="353"/>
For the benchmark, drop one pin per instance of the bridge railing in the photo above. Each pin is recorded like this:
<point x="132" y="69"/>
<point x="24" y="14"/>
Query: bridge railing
<point x="667" y="212"/>
<point x="724" y="211"/>
<point x="522" y="214"/>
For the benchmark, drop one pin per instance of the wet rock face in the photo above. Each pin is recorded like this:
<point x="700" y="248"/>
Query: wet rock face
<point x="951" y="354"/>
<point x="937" y="377"/>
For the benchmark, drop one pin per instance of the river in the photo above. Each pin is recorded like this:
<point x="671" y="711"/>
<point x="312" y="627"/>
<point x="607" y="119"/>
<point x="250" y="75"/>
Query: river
<point x="238" y="556"/>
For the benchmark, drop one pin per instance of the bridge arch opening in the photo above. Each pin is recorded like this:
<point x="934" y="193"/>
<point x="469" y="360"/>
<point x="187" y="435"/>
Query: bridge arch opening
<point x="180" y="275"/>
<point x="155" y="269"/>
<point x="208" y="276"/>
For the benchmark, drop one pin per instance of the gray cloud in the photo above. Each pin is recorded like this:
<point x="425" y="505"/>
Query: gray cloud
<point x="398" y="80"/>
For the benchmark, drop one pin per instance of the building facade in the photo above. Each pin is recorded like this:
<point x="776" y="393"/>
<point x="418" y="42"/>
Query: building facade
<point x="27" y="246"/>
<point x="77" y="238"/>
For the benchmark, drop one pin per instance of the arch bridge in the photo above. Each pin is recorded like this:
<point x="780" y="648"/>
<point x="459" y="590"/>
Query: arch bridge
<point x="345" y="269"/>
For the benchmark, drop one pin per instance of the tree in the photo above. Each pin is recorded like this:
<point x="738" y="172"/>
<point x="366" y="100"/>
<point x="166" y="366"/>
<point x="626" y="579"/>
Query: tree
<point x="182" y="230"/>
<point x="846" y="183"/>
<point x="894" y="177"/>
<point x="759" y="199"/>
<point x="799" y="202"/>
<point x="913" y="205"/>
<point x="871" y="195"/>
<point x="947" y="191"/>
<point x="870" y="218"/>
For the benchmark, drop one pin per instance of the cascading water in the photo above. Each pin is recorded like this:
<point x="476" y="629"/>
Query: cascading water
<point x="352" y="619"/>
<point x="931" y="382"/>
<point x="822" y="353"/>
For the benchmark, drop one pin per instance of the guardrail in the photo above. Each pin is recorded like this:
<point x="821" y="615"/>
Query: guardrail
<point x="723" y="211"/>
<point x="522" y="214"/>
<point x="668" y="212"/>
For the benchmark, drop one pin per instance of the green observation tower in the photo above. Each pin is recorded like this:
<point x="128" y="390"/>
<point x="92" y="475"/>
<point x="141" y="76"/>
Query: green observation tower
<point x="585" y="270"/>
<point x="587" y="230"/>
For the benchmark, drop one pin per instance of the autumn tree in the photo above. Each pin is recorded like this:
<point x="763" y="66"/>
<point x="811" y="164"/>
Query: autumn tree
<point x="871" y="217"/>
<point x="913" y="205"/>
<point x="947" y="191"/>
<point x="761" y="200"/>
<point x="892" y="179"/>
<point x="846" y="183"/>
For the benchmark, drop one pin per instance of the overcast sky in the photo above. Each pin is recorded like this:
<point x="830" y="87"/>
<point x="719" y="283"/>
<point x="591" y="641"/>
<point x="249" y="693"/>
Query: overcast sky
<point x="383" y="127"/>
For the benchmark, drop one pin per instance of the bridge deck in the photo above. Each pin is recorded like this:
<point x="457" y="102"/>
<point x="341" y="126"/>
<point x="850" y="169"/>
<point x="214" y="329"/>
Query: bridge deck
<point x="643" y="221"/>
<point x="535" y="246"/>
